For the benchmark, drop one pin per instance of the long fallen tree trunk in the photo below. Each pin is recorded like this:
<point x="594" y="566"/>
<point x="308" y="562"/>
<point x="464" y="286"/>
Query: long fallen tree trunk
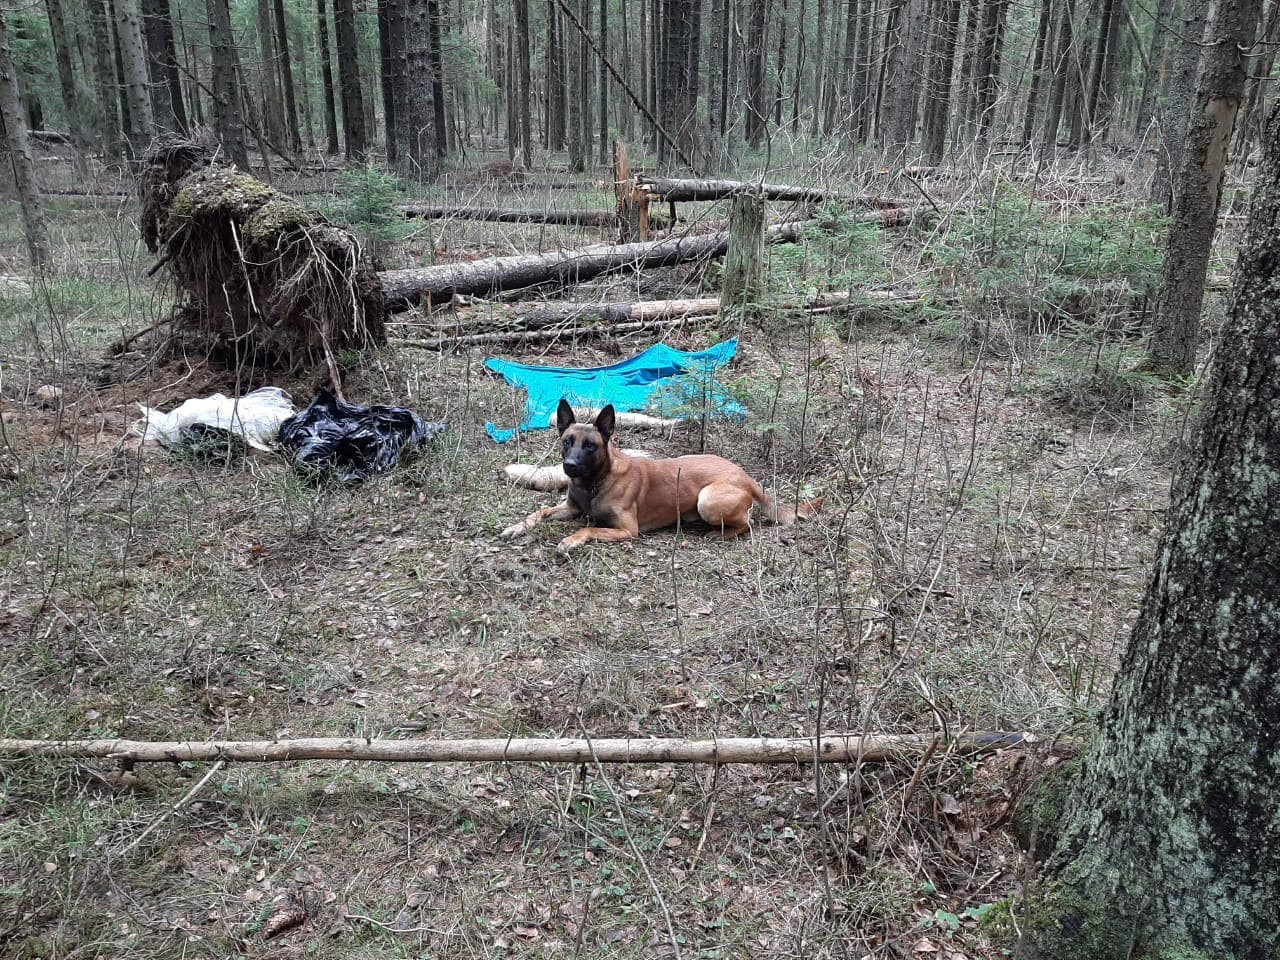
<point x="830" y="748"/>
<point x="439" y="284"/>
<point x="675" y="191"/>
<point x="562" y="321"/>
<point x="574" y="218"/>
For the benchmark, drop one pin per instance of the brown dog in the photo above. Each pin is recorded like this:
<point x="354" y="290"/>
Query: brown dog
<point x="621" y="495"/>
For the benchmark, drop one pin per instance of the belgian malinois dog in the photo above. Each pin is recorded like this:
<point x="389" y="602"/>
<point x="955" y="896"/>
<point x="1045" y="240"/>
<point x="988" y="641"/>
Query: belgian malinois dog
<point x="619" y="495"/>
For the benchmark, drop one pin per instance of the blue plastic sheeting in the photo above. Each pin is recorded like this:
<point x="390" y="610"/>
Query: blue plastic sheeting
<point x="663" y="381"/>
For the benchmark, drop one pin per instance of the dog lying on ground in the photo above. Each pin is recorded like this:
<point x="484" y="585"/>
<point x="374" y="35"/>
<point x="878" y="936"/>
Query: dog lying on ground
<point x="620" y="495"/>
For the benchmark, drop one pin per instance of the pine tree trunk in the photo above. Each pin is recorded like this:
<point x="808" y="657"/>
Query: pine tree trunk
<point x="901" y="72"/>
<point x="1037" y="71"/>
<point x="1260" y="70"/>
<point x="864" y="62"/>
<point x="966" y="95"/>
<point x="439" y="114"/>
<point x="391" y="81"/>
<point x="326" y="80"/>
<point x="272" y="107"/>
<point x="1099" y="109"/>
<point x="286" y="78"/>
<point x="1179" y="100"/>
<point x="797" y="80"/>
<point x="937" y="119"/>
<point x="522" y="39"/>
<point x="226" y="93"/>
<point x="19" y="147"/>
<point x="1176" y="325"/>
<point x="1151" y="78"/>
<point x="353" y="126"/>
<point x="781" y="70"/>
<point x="1062" y="54"/>
<point x="67" y="82"/>
<point x="852" y="91"/>
<point x="167" y="107"/>
<point x="989" y="61"/>
<point x="108" y="105"/>
<point x="757" y="111"/>
<point x="133" y="63"/>
<point x="1167" y="846"/>
<point x="418" y="120"/>
<point x="603" y="81"/>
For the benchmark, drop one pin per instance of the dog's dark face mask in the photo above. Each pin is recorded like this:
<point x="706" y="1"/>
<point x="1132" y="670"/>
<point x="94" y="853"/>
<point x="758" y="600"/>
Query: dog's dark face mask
<point x="584" y="446"/>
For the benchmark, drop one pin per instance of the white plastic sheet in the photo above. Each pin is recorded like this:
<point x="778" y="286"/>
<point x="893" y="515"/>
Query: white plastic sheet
<point x="256" y="416"/>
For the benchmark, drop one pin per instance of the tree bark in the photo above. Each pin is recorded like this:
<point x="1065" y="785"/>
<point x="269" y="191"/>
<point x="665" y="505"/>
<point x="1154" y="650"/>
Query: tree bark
<point x="829" y="748"/>
<point x="902" y="75"/>
<point x="937" y="114"/>
<point x="1098" y="114"/>
<point x="1152" y="77"/>
<point x="326" y="79"/>
<point x="438" y="284"/>
<point x="167" y="107"/>
<point x="19" y="147"/>
<point x="108" y="114"/>
<point x="1064" y="51"/>
<point x="757" y="111"/>
<point x="1176" y="114"/>
<point x="1166" y="849"/>
<point x="66" y="80"/>
<point x="439" y="117"/>
<point x="418" y="122"/>
<point x="226" y="93"/>
<point x="575" y="218"/>
<point x="272" y="105"/>
<point x="286" y="78"/>
<point x="603" y="81"/>
<point x="353" y="126"/>
<point x="133" y="63"/>
<point x="989" y="62"/>
<point x="1176" y="326"/>
<point x="742" y="284"/>
<point x="390" y="41"/>
<point x="1037" y="71"/>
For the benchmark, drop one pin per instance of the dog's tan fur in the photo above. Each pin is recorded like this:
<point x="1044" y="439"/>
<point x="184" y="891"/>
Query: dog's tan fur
<point x="620" y="496"/>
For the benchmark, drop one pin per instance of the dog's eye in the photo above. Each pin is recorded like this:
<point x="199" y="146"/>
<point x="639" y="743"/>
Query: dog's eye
<point x="588" y="445"/>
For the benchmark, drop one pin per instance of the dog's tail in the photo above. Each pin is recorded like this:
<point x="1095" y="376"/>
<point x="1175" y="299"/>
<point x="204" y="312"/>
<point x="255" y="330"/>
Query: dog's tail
<point x="785" y="516"/>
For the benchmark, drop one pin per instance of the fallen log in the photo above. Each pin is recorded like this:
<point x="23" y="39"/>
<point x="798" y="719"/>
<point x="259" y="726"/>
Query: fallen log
<point x="829" y="748"/>
<point x="405" y="288"/>
<point x="675" y="191"/>
<point x="439" y="284"/>
<point x="535" y="336"/>
<point x="574" y="218"/>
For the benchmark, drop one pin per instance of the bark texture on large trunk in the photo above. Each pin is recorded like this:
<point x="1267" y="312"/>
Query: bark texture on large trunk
<point x="226" y="93"/>
<point x="1170" y="839"/>
<point x="19" y="147"/>
<point x="1198" y="194"/>
<point x="1179" y="100"/>
<point x="353" y="126"/>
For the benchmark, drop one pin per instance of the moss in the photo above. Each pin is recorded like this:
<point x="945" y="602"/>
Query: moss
<point x="273" y="218"/>
<point x="1059" y="922"/>
<point x="1041" y="809"/>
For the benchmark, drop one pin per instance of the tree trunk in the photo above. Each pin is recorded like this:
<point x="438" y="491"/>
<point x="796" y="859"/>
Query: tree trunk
<point x="757" y="111"/>
<point x="742" y="284"/>
<point x="1176" y="325"/>
<point x="439" y="116"/>
<point x="24" y="174"/>
<point x="522" y="40"/>
<point x="1152" y="77"/>
<point x="418" y="120"/>
<point x="326" y="80"/>
<point x="1166" y="848"/>
<point x="989" y="61"/>
<point x="353" y="127"/>
<point x="67" y="81"/>
<point x="1178" y="103"/>
<point x="1064" y="51"/>
<point x="109" y="127"/>
<point x="781" y="70"/>
<point x="286" y="78"/>
<point x="1260" y="69"/>
<point x="1099" y="110"/>
<point x="393" y="82"/>
<point x="272" y="107"/>
<point x="133" y="62"/>
<point x="167" y="107"/>
<point x="440" y="284"/>
<point x="226" y="94"/>
<point x="902" y="75"/>
<point x="1037" y="71"/>
<point x="937" y="114"/>
<point x="603" y="81"/>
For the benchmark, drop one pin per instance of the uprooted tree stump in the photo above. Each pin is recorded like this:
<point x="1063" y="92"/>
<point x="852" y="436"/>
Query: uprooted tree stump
<point x="269" y="279"/>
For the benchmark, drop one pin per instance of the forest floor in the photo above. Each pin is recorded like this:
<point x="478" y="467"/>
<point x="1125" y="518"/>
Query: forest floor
<point x="995" y="482"/>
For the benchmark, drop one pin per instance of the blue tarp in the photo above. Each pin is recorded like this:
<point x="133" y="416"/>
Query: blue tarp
<point x="661" y="380"/>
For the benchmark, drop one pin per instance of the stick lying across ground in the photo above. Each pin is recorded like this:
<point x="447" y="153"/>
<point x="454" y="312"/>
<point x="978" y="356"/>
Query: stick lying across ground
<point x="830" y="748"/>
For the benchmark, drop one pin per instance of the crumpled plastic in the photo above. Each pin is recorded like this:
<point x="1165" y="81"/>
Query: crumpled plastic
<point x="256" y="417"/>
<point x="332" y="436"/>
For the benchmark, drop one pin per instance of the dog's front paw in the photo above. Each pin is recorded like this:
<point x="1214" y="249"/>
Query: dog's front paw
<point x="513" y="531"/>
<point x="567" y="546"/>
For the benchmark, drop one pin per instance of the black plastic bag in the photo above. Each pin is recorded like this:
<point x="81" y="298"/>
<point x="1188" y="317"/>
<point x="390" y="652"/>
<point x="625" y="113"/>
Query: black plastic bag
<point x="356" y="442"/>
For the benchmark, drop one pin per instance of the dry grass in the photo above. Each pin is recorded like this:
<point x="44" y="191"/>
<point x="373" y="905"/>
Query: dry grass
<point x="978" y="564"/>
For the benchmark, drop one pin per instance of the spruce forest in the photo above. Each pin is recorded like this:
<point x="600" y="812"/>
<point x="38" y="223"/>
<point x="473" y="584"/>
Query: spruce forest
<point x="640" y="478"/>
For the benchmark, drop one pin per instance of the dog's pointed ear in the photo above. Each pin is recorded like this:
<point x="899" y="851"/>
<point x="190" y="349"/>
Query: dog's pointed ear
<point x="605" y="420"/>
<point x="565" y="417"/>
